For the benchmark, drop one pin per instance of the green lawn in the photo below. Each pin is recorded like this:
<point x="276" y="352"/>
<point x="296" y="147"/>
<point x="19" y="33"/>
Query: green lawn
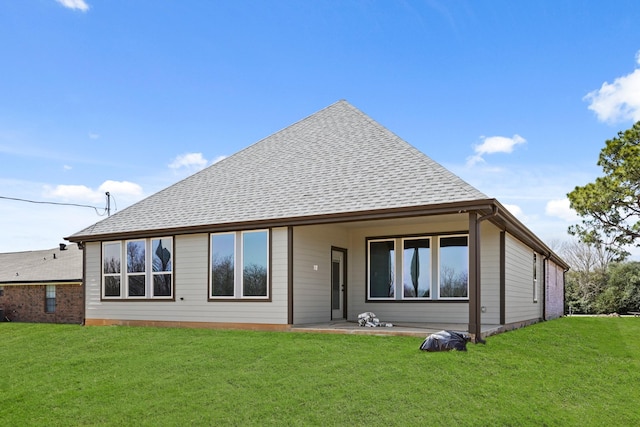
<point x="571" y="371"/>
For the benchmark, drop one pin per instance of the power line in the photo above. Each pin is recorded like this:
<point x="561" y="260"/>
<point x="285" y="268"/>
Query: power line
<point x="55" y="203"/>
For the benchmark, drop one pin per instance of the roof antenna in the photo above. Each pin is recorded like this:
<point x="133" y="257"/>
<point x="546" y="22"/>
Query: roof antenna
<point x="108" y="203"/>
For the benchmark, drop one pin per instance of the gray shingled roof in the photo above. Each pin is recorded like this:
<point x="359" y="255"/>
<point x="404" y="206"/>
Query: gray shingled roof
<point x="335" y="161"/>
<point x="50" y="265"/>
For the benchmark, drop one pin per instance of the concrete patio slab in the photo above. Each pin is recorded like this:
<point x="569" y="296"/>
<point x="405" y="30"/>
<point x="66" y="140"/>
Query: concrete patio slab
<point x="401" y="329"/>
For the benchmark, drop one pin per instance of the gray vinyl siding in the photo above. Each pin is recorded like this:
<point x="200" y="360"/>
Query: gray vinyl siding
<point x="191" y="289"/>
<point x="92" y="253"/>
<point x="490" y="273"/>
<point x="520" y="305"/>
<point x="311" y="287"/>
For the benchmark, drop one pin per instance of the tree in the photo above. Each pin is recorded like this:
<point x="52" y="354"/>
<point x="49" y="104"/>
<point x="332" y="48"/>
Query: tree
<point x="623" y="289"/>
<point x="222" y="276"/>
<point x="254" y="280"/>
<point x="587" y="278"/>
<point x="453" y="283"/>
<point x="610" y="206"/>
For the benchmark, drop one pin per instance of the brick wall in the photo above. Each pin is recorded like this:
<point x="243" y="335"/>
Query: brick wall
<point x="554" y="304"/>
<point x="27" y="304"/>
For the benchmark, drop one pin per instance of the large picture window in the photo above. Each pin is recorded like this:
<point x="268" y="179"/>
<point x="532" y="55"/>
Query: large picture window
<point x="240" y="265"/>
<point x="148" y="272"/>
<point x="454" y="267"/>
<point x="400" y="268"/>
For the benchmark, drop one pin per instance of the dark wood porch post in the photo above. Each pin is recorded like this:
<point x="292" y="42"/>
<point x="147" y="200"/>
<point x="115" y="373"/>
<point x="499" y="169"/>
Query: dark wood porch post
<point x="475" y="322"/>
<point x="503" y="278"/>
<point x="290" y="275"/>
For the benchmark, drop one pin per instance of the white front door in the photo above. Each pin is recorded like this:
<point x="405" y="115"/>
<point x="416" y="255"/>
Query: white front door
<point x="337" y="284"/>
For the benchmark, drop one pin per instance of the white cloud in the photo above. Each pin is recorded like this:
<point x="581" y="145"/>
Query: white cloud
<point x="189" y="161"/>
<point x="93" y="135"/>
<point x="494" y="144"/>
<point x="84" y="194"/>
<point x="71" y="192"/>
<point x="617" y="101"/>
<point x="125" y="188"/>
<point x="515" y="211"/>
<point x="67" y="167"/>
<point x="27" y="226"/>
<point x="74" y="4"/>
<point x="559" y="208"/>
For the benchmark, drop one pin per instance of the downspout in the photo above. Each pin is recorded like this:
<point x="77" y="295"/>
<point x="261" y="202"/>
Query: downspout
<point x="84" y="283"/>
<point x="491" y="215"/>
<point x="564" y="289"/>
<point x="290" y="275"/>
<point x="475" y="307"/>
<point x="503" y="278"/>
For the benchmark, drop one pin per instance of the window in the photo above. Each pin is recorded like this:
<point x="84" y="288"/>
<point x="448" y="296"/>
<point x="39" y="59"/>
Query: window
<point x="535" y="277"/>
<point x="111" y="254"/>
<point x="148" y="272"/>
<point x="246" y="277"/>
<point x="136" y="263"/>
<point x="223" y="261"/>
<point x="254" y="264"/>
<point x="454" y="267"/>
<point x="162" y="267"/>
<point x="50" y="299"/>
<point x="382" y="262"/>
<point x="1" y="292"/>
<point x="415" y="279"/>
<point x="416" y="268"/>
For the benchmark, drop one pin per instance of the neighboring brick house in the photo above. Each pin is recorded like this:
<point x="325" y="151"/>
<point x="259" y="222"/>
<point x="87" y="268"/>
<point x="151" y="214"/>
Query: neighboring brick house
<point x="42" y="286"/>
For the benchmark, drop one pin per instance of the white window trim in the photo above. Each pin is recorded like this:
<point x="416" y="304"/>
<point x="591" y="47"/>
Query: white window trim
<point x="105" y="275"/>
<point x="144" y="273"/>
<point x="235" y="266"/>
<point x="445" y="236"/>
<point x="238" y="273"/>
<point x="152" y="273"/>
<point x="241" y="266"/>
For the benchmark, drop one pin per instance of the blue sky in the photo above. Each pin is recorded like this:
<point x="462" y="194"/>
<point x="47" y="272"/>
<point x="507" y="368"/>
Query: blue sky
<point x="129" y="97"/>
